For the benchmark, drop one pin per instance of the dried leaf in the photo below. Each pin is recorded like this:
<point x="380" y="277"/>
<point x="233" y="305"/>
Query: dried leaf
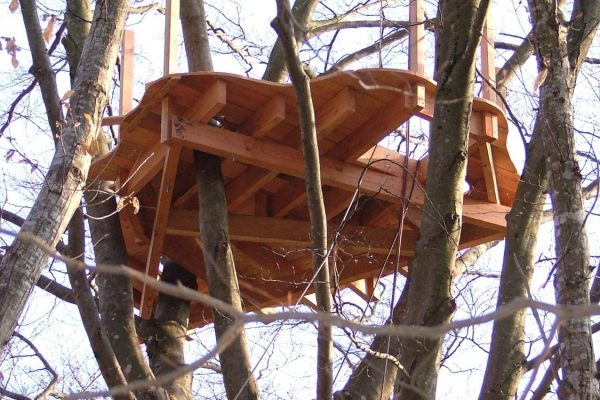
<point x="66" y="96"/>
<point x="135" y="203"/>
<point x="121" y="203"/>
<point x="93" y="148"/>
<point x="13" y="6"/>
<point x="539" y="80"/>
<point x="12" y="48"/>
<point x="14" y="61"/>
<point x="88" y="119"/>
<point x="47" y="34"/>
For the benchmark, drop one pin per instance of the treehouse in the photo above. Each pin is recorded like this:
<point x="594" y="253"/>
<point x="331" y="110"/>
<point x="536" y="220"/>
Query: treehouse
<point x="253" y="126"/>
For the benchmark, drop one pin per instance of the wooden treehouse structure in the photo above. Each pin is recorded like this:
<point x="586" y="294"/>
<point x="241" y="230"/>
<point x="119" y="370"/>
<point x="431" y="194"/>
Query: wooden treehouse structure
<point x="258" y="140"/>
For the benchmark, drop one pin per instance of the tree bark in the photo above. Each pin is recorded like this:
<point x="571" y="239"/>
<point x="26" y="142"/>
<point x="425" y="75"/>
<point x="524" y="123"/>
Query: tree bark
<point x="572" y="276"/>
<point x="506" y="362"/>
<point x="218" y="258"/>
<point x="429" y="300"/>
<point x="166" y="332"/>
<point x="60" y="195"/>
<point x="284" y="25"/>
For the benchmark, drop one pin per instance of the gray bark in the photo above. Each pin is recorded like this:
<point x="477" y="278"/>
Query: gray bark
<point x="218" y="258"/>
<point x="60" y="195"/>
<point x="166" y="332"/>
<point x="284" y="25"/>
<point x="572" y="276"/>
<point x="429" y="299"/>
<point x="506" y="362"/>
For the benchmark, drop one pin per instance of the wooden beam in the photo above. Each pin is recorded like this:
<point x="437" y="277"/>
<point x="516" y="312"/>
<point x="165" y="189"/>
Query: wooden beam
<point x="488" y="65"/>
<point x="291" y="232"/>
<point x="284" y="159"/>
<point x="171" y="37"/>
<point x="489" y="172"/>
<point x="208" y="104"/>
<point x="261" y="122"/>
<point x="334" y="112"/>
<point x="145" y="169"/>
<point x="416" y="38"/>
<point x="365" y="288"/>
<point x="159" y="227"/>
<point x="127" y="60"/>
<point x="113" y="120"/>
<point x="245" y="185"/>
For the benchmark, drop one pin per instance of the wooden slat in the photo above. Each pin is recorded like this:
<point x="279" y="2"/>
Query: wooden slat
<point x="114" y="120"/>
<point x="488" y="65"/>
<point x="272" y="156"/>
<point x="264" y="230"/>
<point x="208" y="104"/>
<point x="416" y="38"/>
<point x="159" y="227"/>
<point x="127" y="60"/>
<point x="489" y="172"/>
<point x="266" y="118"/>
<point x="365" y="288"/>
<point x="145" y="168"/>
<point x="171" y="37"/>
<point x="334" y="112"/>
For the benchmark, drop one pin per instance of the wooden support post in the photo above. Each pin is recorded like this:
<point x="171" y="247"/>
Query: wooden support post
<point x="488" y="65"/>
<point x="489" y="172"/>
<point x="171" y="35"/>
<point x="126" y="72"/>
<point x="159" y="228"/>
<point x="416" y="37"/>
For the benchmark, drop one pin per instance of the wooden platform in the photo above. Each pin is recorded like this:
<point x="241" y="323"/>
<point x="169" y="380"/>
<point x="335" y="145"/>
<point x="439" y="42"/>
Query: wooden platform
<point x="258" y="139"/>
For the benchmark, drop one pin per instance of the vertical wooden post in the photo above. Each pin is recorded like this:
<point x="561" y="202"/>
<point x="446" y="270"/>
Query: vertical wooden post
<point x="416" y="37"/>
<point x="488" y="65"/>
<point x="171" y="35"/>
<point x="126" y="72"/>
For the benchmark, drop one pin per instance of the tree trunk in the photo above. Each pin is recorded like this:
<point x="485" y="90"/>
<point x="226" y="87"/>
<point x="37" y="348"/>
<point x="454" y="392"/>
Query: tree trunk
<point x="286" y="32"/>
<point x="167" y="332"/>
<point x="429" y="299"/>
<point x="506" y="362"/>
<point x="556" y="55"/>
<point x="61" y="193"/>
<point x="218" y="259"/>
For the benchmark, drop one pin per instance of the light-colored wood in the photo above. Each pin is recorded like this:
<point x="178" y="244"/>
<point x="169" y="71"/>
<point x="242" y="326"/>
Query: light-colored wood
<point x="271" y="156"/>
<point x="266" y="118"/>
<point x="208" y="104"/>
<point x="114" y="120"/>
<point x="489" y="172"/>
<point x="416" y="38"/>
<point x="334" y="112"/>
<point x="159" y="227"/>
<point x="145" y="168"/>
<point x="416" y="98"/>
<point x="246" y="184"/>
<point x="171" y="37"/>
<point x="488" y="64"/>
<point x="127" y="61"/>
<point x="365" y="288"/>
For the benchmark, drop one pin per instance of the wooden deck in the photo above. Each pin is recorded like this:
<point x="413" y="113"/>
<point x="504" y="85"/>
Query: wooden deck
<point x="258" y="139"/>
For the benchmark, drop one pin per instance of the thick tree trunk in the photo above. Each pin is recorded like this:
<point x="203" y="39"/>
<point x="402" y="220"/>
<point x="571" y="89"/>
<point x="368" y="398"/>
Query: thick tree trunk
<point x="167" y="332"/>
<point x="557" y="56"/>
<point x="115" y="292"/>
<point x="218" y="259"/>
<point x="61" y="193"/>
<point x="506" y="362"/>
<point x="429" y="300"/>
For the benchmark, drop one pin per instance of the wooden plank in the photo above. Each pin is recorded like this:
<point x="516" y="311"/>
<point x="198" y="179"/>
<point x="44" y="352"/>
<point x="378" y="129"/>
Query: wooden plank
<point x="171" y="37"/>
<point x="208" y="104"/>
<point x="488" y="65"/>
<point x="275" y="157"/>
<point x="145" y="168"/>
<point x="127" y="60"/>
<point x="489" y="172"/>
<point x="283" y="231"/>
<point x="291" y="196"/>
<point x="416" y="38"/>
<point x="159" y="227"/>
<point x="246" y="184"/>
<point x="334" y="112"/>
<point x="266" y="118"/>
<point x="365" y="288"/>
